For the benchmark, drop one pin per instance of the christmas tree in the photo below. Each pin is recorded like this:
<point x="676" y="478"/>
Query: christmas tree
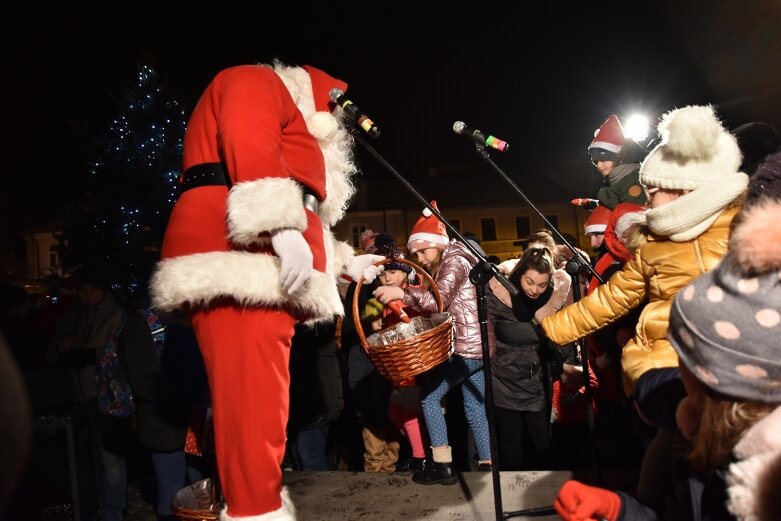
<point x="129" y="188"/>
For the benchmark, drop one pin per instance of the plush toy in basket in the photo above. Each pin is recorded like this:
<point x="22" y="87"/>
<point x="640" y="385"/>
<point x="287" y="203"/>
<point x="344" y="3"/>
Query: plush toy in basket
<point x="412" y="346"/>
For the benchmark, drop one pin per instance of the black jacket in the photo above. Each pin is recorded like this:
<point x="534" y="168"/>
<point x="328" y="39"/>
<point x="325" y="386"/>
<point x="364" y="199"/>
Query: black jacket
<point x="167" y="382"/>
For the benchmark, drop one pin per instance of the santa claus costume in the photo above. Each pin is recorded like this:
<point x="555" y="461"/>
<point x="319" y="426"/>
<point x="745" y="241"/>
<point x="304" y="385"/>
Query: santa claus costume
<point x="263" y="152"/>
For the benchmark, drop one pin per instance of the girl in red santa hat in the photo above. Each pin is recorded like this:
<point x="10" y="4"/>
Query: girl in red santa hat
<point x="449" y="263"/>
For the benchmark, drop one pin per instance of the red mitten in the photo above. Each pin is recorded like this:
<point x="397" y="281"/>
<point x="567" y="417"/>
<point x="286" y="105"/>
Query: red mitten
<point x="579" y="502"/>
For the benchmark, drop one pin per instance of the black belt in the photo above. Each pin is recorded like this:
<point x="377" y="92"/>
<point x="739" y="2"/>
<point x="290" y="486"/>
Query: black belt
<point x="205" y="174"/>
<point x="213" y="174"/>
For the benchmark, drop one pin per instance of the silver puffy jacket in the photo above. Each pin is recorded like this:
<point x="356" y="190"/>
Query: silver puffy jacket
<point x="459" y="298"/>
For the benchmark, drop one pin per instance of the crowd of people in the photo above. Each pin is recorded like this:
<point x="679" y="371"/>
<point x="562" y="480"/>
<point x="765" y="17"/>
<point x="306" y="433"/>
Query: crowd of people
<point x="664" y="352"/>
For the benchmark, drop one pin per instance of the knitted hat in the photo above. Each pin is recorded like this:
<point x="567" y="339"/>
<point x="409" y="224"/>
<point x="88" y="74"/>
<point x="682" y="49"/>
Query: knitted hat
<point x="696" y="153"/>
<point x="766" y="180"/>
<point x="608" y="141"/>
<point x="428" y="232"/>
<point x="695" y="150"/>
<point x="391" y="250"/>
<point x="93" y="275"/>
<point x="597" y="220"/>
<point x="725" y="325"/>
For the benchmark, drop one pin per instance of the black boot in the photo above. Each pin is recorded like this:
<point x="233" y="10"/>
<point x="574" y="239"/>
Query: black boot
<point x="484" y="467"/>
<point x="418" y="464"/>
<point x="436" y="472"/>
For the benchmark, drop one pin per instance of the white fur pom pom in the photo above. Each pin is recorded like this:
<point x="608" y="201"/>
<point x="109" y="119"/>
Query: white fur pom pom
<point x="427" y="212"/>
<point x="757" y="237"/>
<point x="321" y="125"/>
<point x="691" y="132"/>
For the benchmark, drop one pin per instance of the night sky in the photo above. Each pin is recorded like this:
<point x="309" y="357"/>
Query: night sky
<point x="541" y="78"/>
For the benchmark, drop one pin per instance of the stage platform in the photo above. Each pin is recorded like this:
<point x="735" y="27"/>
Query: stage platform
<point x="347" y="496"/>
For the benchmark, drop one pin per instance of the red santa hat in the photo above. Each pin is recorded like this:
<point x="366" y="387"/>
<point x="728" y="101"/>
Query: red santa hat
<point x="608" y="140"/>
<point x="428" y="232"/>
<point x="597" y="220"/>
<point x="322" y="83"/>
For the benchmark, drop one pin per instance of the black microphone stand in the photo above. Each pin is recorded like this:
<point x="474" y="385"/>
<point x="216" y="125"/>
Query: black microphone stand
<point x="480" y="274"/>
<point x="573" y="268"/>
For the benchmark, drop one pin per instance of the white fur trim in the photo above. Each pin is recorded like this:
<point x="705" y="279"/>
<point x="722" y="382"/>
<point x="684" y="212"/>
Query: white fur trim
<point x="280" y="514"/>
<point x="755" y="450"/>
<point x="299" y="85"/>
<point x="744" y="479"/>
<point x="252" y="279"/>
<point x="260" y="206"/>
<point x="594" y="228"/>
<point x="422" y="240"/>
<point x="286" y="512"/>
<point x="335" y="142"/>
<point x="610" y="147"/>
<point x="342" y="253"/>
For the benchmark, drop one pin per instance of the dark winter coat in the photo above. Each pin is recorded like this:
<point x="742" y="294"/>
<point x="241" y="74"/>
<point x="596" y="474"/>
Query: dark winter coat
<point x="316" y="393"/>
<point x="520" y="370"/>
<point x="167" y="382"/>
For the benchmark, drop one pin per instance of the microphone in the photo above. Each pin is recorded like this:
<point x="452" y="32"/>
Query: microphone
<point x="588" y="204"/>
<point x="459" y="127"/>
<point x="362" y="120"/>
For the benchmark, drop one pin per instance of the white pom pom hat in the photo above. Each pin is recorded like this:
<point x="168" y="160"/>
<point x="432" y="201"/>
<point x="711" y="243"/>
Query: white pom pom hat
<point x="694" y="151"/>
<point x="428" y="232"/>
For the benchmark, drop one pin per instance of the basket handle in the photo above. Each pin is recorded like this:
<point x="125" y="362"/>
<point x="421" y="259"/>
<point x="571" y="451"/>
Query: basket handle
<point x="418" y="269"/>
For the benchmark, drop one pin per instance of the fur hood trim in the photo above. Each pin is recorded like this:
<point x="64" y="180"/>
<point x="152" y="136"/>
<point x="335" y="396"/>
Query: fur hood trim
<point x="561" y="284"/>
<point x="758" y="450"/>
<point x="252" y="279"/>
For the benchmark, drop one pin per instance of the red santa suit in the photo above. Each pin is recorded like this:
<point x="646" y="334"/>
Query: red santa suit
<point x="287" y="162"/>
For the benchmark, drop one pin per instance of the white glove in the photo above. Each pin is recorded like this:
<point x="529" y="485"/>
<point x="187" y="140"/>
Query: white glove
<point x="358" y="264"/>
<point x="387" y="294"/>
<point x="372" y="271"/>
<point x="295" y="257"/>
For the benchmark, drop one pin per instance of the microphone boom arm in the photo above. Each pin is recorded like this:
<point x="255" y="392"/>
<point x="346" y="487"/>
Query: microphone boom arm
<point x="484" y="154"/>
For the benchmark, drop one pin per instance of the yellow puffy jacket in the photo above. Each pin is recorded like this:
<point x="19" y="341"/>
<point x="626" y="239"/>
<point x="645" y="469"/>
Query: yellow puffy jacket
<point x="658" y="271"/>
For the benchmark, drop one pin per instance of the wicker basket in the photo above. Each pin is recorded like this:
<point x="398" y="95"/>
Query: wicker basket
<point x="414" y="355"/>
<point x="197" y="502"/>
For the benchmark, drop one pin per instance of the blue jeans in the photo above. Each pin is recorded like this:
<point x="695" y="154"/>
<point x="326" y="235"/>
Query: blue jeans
<point x="112" y="444"/>
<point x="171" y="471"/>
<point x="466" y="373"/>
<point x="307" y="448"/>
